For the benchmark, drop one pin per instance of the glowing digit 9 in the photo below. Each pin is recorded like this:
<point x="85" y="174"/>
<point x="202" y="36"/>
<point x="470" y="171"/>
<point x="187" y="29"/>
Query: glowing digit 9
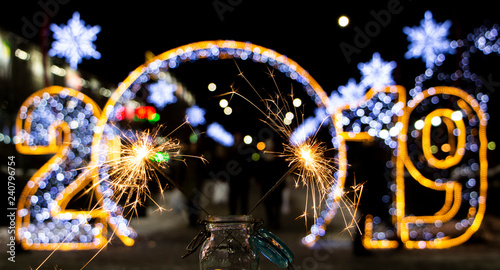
<point x="437" y="139"/>
<point x="452" y="123"/>
<point x="465" y="197"/>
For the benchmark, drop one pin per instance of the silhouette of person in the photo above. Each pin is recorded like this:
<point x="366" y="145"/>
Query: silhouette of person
<point x="193" y="183"/>
<point x="271" y="170"/>
<point x="239" y="181"/>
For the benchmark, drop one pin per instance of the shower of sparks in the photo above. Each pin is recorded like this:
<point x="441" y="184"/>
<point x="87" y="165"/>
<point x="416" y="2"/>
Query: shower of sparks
<point x="307" y="159"/>
<point x="142" y="155"/>
<point x="345" y="201"/>
<point x="350" y="208"/>
<point x="132" y="172"/>
<point x="313" y="169"/>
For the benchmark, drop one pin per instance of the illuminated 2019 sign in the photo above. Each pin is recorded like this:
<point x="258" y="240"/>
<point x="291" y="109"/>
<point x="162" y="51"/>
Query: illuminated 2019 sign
<point x="68" y="124"/>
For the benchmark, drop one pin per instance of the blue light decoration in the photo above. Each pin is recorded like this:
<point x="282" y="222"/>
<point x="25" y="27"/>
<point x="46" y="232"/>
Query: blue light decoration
<point x="220" y="135"/>
<point x="485" y="39"/>
<point x="304" y="130"/>
<point x="402" y="128"/>
<point x="376" y="73"/>
<point x="428" y="40"/>
<point x="62" y="122"/>
<point x="162" y="93"/>
<point x="74" y="41"/>
<point x="195" y="115"/>
<point x="350" y="93"/>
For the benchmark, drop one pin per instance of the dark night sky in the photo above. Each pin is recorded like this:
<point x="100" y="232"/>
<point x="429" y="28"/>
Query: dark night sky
<point x="305" y="31"/>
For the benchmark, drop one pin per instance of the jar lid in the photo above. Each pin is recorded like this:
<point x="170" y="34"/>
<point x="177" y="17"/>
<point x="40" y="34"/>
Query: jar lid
<point x="230" y="219"/>
<point x="273" y="248"/>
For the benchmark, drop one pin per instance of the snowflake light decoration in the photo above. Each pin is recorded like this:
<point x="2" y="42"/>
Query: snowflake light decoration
<point x="352" y="91"/>
<point x="428" y="40"/>
<point x="376" y="73"/>
<point x="195" y="115"/>
<point x="74" y="41"/>
<point x="162" y="93"/>
<point x="348" y="94"/>
<point x="335" y="101"/>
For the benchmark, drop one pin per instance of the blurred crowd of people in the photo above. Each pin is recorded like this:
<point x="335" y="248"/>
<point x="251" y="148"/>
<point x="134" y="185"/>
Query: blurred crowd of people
<point x="232" y="173"/>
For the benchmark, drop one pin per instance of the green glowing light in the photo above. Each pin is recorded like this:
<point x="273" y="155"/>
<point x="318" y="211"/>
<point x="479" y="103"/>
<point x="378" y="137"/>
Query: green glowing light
<point x="193" y="138"/>
<point x="492" y="145"/>
<point x="160" y="157"/>
<point x="154" y="118"/>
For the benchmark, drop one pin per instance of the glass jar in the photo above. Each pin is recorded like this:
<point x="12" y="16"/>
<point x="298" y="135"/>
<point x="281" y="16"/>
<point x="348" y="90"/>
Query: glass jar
<point x="230" y="244"/>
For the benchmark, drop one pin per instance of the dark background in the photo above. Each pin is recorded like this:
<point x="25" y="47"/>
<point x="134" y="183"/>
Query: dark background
<point x="305" y="31"/>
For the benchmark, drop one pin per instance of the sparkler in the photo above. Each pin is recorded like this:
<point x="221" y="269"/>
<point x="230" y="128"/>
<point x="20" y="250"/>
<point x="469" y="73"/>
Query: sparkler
<point x="133" y="170"/>
<point x="314" y="170"/>
<point x="134" y="166"/>
<point x="307" y="159"/>
<point x="140" y="158"/>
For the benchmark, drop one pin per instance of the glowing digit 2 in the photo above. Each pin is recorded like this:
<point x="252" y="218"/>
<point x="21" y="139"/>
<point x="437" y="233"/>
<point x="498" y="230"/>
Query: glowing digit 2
<point x="58" y="121"/>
